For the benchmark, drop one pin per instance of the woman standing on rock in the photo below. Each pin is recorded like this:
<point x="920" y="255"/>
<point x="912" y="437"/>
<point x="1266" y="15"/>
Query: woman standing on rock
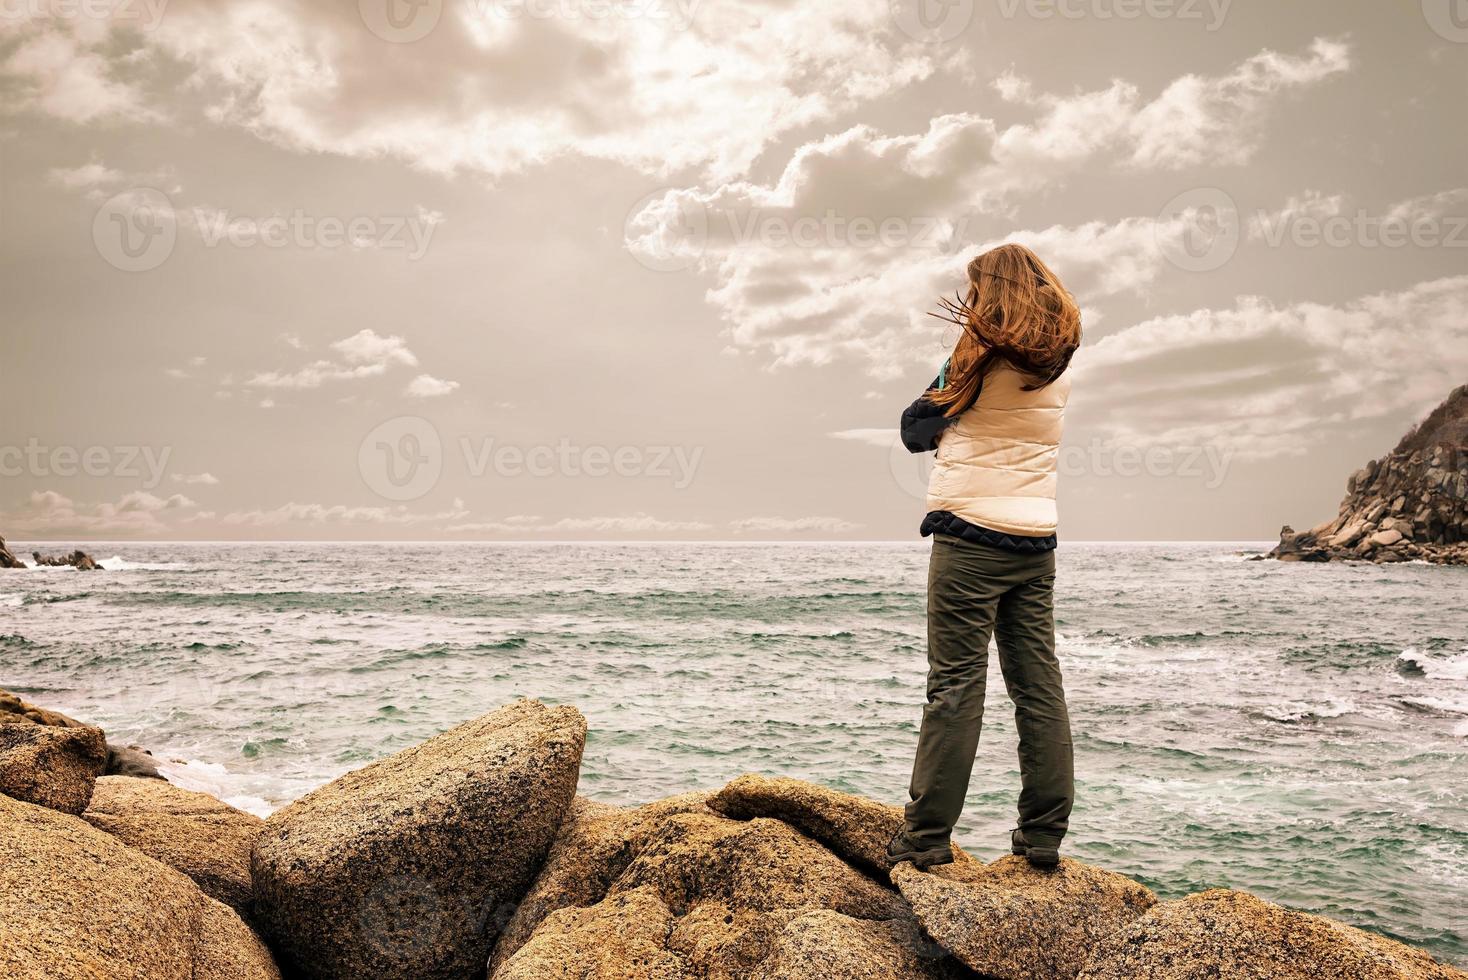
<point x="994" y="417"/>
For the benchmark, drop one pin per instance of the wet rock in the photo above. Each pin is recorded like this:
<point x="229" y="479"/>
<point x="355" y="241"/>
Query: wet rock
<point x="407" y="868"/>
<point x="8" y="559"/>
<point x="131" y="760"/>
<point x="76" y="902"/>
<point x="51" y="766"/>
<point x="1224" y="933"/>
<point x="1013" y="922"/>
<point x="190" y="832"/>
<point x="595" y="844"/>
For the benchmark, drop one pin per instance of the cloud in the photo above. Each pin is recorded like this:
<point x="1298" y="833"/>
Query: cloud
<point x="872" y="437"/>
<point x="1263" y="380"/>
<point x="1312" y="204"/>
<point x="48" y="512"/>
<point x="1219" y="121"/>
<point x="488" y="92"/>
<point x="639" y="523"/>
<point x="85" y="177"/>
<point x="201" y="479"/>
<point x="427" y="386"/>
<point x="57" y="71"/>
<point x="842" y="254"/>
<point x="793" y="525"/>
<point x="341" y="514"/>
<point x="365" y="354"/>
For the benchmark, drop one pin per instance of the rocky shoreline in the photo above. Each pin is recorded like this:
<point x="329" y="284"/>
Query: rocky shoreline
<point x="78" y="559"/>
<point x="470" y="857"/>
<point x="1409" y="505"/>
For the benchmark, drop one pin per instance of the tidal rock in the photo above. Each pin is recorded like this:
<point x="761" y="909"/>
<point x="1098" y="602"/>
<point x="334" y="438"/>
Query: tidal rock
<point x="1222" y="933"/>
<point x="49" y="766"/>
<point x="856" y="828"/>
<point x="1013" y="922"/>
<point x="131" y="760"/>
<point x="75" y="902"/>
<point x="595" y="844"/>
<point x="408" y="867"/>
<point x="7" y="559"/>
<point x="190" y="832"/>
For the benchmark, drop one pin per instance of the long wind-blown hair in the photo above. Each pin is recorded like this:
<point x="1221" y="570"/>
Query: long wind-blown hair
<point x="1016" y="311"/>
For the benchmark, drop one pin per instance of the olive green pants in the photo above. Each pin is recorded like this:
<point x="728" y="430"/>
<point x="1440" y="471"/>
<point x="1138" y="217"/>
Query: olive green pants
<point x="974" y="592"/>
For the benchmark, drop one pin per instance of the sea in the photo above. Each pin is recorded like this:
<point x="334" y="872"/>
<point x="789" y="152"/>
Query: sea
<point x="1299" y="731"/>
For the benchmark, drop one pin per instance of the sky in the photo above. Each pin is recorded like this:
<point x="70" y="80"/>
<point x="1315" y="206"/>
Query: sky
<point x="584" y="269"/>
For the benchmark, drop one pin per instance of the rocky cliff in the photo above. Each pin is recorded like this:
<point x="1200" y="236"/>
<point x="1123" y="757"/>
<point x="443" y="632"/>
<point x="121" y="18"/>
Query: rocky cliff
<point x="469" y="857"/>
<point x="1410" y="504"/>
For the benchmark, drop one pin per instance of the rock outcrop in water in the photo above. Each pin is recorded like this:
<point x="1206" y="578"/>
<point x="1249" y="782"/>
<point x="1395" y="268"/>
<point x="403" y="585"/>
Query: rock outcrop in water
<point x="1412" y="504"/>
<point x="7" y="559"/>
<point x="468" y="858"/>
<point x="78" y="559"/>
<point x="122" y="760"/>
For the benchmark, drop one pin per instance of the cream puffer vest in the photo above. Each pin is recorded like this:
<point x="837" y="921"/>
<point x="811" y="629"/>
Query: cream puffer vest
<point x="996" y="464"/>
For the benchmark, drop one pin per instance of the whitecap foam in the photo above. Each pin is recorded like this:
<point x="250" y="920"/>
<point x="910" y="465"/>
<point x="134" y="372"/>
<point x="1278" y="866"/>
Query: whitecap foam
<point x="1290" y="712"/>
<point x="217" y="781"/>
<point x="11" y="599"/>
<point x="1445" y="667"/>
<point x="119" y="564"/>
<point x="1451" y="706"/>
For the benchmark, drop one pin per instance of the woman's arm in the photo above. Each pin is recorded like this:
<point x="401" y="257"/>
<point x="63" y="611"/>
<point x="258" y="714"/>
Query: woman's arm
<point x="923" y="422"/>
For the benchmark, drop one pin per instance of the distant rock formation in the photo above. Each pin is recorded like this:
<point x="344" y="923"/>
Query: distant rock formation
<point x="8" y="560"/>
<point x="1410" y="504"/>
<point x="78" y="559"/>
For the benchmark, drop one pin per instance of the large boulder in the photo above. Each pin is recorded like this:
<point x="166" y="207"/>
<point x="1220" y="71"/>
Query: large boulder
<point x="854" y="827"/>
<point x="131" y="760"/>
<point x="14" y="708"/>
<point x="1223" y="933"/>
<point x="51" y="767"/>
<point x="7" y="558"/>
<point x="1011" y="921"/>
<point x="833" y="946"/>
<point x="710" y="897"/>
<point x="408" y="867"/>
<point x="595" y="845"/>
<point x="190" y="832"/>
<point x="75" y="902"/>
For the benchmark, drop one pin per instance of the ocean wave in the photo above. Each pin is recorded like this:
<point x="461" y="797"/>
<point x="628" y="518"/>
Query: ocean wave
<point x="1449" y="667"/>
<point x="217" y="781"/>
<point x="1294" y="712"/>
<point x="119" y="564"/>
<point x="1438" y="705"/>
<point x="11" y="599"/>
